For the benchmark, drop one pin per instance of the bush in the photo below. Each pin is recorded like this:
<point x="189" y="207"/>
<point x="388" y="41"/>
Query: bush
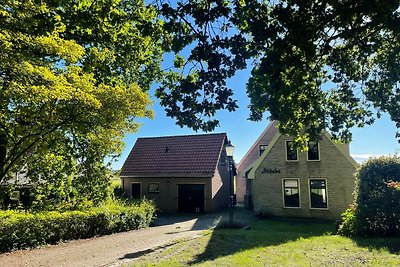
<point x="21" y="229"/>
<point x="376" y="209"/>
<point x="117" y="191"/>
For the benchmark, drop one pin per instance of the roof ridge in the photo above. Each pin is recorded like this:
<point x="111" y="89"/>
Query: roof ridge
<point x="183" y="135"/>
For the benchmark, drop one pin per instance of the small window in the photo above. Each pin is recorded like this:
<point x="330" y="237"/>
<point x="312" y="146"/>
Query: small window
<point x="15" y="195"/>
<point x="291" y="151"/>
<point x="291" y="195"/>
<point x="262" y="148"/>
<point x="313" y="151"/>
<point x="154" y="188"/>
<point x="318" y="194"/>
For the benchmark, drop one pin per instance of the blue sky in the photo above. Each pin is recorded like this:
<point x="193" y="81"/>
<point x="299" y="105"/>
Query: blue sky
<point x="377" y="139"/>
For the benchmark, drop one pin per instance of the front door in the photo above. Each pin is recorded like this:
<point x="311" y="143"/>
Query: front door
<point x="191" y="198"/>
<point x="136" y="190"/>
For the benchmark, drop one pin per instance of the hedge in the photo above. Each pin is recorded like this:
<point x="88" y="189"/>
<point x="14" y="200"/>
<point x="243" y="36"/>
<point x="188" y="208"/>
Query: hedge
<point x="376" y="207"/>
<point x="20" y="229"/>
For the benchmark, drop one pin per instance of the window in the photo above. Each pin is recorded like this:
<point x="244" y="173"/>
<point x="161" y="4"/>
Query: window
<point x="291" y="152"/>
<point x="291" y="196"/>
<point x="318" y="194"/>
<point x="15" y="195"/>
<point x="262" y="148"/>
<point x="154" y="188"/>
<point x="313" y="151"/>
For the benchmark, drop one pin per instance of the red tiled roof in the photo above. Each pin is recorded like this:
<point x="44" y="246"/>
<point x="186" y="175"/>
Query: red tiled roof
<point x="254" y="152"/>
<point x="175" y="156"/>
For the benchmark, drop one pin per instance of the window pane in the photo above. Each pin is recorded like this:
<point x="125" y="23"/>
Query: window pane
<point x="318" y="194"/>
<point x="317" y="183"/>
<point x="313" y="153"/>
<point x="290" y="183"/>
<point x="291" y="152"/>
<point x="263" y="148"/>
<point x="154" y="188"/>
<point x="291" y="193"/>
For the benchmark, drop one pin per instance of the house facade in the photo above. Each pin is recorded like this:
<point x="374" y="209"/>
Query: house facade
<point x="180" y="173"/>
<point x="249" y="158"/>
<point x="317" y="183"/>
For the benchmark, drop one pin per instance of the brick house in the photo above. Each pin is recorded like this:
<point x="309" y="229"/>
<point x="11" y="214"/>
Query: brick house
<point x="315" y="184"/>
<point x="252" y="155"/>
<point x="186" y="173"/>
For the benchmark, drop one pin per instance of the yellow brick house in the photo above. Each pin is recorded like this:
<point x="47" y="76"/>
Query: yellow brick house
<point x="315" y="184"/>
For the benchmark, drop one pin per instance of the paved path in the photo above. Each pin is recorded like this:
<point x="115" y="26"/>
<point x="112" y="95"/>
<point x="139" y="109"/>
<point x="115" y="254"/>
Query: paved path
<point x="117" y="249"/>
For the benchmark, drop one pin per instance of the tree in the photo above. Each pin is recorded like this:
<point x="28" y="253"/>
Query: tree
<point x="74" y="74"/>
<point x="316" y="64"/>
<point x="73" y="78"/>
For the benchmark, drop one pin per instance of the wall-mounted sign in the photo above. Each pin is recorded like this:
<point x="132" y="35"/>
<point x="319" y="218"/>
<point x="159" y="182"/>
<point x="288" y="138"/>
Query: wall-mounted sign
<point x="269" y="170"/>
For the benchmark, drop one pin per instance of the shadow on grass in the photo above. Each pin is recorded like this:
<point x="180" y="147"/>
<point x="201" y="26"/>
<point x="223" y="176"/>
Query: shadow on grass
<point x="392" y="244"/>
<point x="262" y="233"/>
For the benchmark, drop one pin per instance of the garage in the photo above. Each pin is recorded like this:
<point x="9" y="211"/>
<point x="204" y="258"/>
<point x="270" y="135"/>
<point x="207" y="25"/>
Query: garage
<point x="191" y="198"/>
<point x="187" y="173"/>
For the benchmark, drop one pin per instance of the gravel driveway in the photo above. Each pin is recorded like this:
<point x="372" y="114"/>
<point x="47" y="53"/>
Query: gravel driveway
<point x="117" y="249"/>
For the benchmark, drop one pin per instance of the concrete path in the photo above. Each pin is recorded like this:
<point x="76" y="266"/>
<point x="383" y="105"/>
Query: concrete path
<point x="118" y="249"/>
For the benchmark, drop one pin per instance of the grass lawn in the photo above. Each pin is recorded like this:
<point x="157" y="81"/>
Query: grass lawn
<point x="276" y="243"/>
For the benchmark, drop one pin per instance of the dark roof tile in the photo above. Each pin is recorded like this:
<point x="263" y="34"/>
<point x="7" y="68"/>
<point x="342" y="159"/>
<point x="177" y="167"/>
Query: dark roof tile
<point x="186" y="155"/>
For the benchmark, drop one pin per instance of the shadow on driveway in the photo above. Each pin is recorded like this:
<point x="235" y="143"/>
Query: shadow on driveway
<point x="189" y="226"/>
<point x="205" y="221"/>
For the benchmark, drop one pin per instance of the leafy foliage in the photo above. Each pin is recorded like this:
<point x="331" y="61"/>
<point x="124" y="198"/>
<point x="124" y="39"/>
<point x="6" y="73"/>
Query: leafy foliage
<point x="376" y="210"/>
<point x="73" y="77"/>
<point x="316" y="65"/>
<point x="195" y="87"/>
<point x="20" y="229"/>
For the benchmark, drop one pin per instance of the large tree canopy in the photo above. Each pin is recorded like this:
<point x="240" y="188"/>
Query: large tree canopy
<point x="316" y="64"/>
<point x="74" y="74"/>
<point x="73" y="77"/>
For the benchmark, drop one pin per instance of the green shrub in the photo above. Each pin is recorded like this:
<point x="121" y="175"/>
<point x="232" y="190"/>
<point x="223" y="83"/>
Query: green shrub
<point x="21" y="229"/>
<point x="376" y="209"/>
<point x="117" y="190"/>
<point x="350" y="224"/>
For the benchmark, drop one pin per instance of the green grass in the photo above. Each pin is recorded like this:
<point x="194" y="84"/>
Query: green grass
<point x="276" y="243"/>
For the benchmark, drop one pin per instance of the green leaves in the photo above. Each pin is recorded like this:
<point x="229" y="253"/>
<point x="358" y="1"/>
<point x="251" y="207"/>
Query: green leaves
<point x="74" y="77"/>
<point x="195" y="86"/>
<point x="316" y="64"/>
<point x="20" y="230"/>
<point x="375" y="211"/>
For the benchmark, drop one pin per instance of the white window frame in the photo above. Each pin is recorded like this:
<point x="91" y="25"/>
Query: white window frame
<point x="15" y="195"/>
<point x="327" y="194"/>
<point x="283" y="193"/>
<point x="319" y="154"/>
<point x="152" y="192"/>
<point x="286" y="152"/>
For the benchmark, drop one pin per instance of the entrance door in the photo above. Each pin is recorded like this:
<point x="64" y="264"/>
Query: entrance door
<point x="136" y="190"/>
<point x="191" y="198"/>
